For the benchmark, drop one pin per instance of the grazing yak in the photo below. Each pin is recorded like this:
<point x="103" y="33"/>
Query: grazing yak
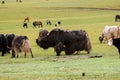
<point x="21" y="44"/>
<point x="42" y="33"/>
<point x="58" y="23"/>
<point x="37" y="23"/>
<point x="117" y="18"/>
<point x="48" y="22"/>
<point x="3" y="44"/>
<point x="116" y="43"/>
<point x="27" y="19"/>
<point x="109" y="32"/>
<point x="68" y="41"/>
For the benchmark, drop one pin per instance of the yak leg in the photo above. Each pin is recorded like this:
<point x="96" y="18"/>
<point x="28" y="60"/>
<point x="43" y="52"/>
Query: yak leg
<point x="17" y="55"/>
<point x="25" y="55"/>
<point x="115" y="19"/>
<point x="88" y="51"/>
<point x="31" y="52"/>
<point x="58" y="48"/>
<point x="13" y="54"/>
<point x="3" y="53"/>
<point x="41" y="26"/>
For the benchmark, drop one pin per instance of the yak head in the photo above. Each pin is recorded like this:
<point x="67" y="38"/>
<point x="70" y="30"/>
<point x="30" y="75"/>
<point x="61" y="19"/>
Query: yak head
<point x="100" y="39"/>
<point x="51" y="39"/>
<point x="42" y="34"/>
<point x="46" y="42"/>
<point x="10" y="38"/>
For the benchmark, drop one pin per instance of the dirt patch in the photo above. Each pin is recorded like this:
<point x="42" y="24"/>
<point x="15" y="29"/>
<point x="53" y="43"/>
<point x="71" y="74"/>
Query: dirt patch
<point x="64" y="58"/>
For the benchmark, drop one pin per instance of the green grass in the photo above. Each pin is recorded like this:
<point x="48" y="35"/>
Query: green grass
<point x="74" y="15"/>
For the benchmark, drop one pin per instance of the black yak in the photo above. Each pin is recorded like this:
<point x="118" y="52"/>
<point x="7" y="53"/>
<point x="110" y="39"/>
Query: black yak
<point x="37" y="23"/>
<point x="116" y="43"/>
<point x="21" y="44"/>
<point x="42" y="33"/>
<point x="117" y="18"/>
<point x="68" y="41"/>
<point x="3" y="44"/>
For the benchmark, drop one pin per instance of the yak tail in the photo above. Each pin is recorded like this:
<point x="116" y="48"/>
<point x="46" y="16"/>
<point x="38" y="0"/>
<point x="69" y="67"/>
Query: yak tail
<point x="88" y="45"/>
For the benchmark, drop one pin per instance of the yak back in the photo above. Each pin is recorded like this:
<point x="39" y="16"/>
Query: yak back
<point x="67" y="37"/>
<point x="17" y="43"/>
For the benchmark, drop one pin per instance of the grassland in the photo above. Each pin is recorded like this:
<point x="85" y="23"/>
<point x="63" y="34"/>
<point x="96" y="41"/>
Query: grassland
<point x="89" y="15"/>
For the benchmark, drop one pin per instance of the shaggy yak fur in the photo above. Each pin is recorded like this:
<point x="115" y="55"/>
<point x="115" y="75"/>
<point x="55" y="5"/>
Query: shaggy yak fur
<point x="68" y="41"/>
<point x="21" y="44"/>
<point x="109" y="32"/>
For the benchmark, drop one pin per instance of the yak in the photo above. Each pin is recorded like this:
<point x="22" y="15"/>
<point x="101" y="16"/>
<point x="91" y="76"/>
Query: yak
<point x="117" y="18"/>
<point x="48" y="22"/>
<point x="37" y="23"/>
<point x="109" y="32"/>
<point x="25" y="25"/>
<point x="27" y="19"/>
<point x="116" y="43"/>
<point x="3" y="44"/>
<point x="66" y="40"/>
<point x="21" y="44"/>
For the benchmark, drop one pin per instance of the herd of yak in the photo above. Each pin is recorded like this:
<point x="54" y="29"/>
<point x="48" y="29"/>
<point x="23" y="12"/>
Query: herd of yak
<point x="69" y="41"/>
<point x="39" y="23"/>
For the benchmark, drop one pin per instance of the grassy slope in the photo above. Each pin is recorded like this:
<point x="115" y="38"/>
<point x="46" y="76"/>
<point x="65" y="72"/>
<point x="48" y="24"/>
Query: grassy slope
<point x="46" y="65"/>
